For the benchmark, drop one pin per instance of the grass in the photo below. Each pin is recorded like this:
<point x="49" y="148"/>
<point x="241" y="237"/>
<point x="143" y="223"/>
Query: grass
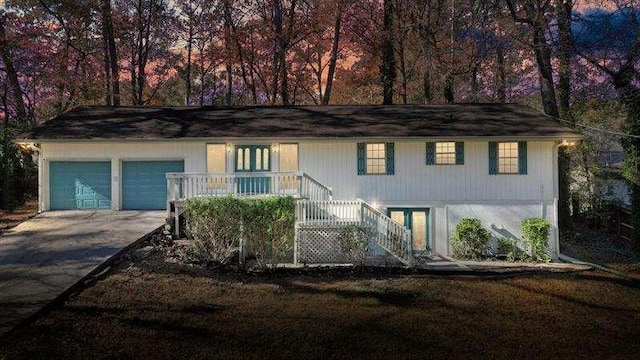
<point x="149" y="309"/>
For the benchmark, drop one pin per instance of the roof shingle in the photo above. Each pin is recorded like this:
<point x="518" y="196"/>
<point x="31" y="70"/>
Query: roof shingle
<point x="454" y="121"/>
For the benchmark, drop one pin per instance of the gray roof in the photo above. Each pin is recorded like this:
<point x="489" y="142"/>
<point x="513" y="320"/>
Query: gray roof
<point x="444" y="121"/>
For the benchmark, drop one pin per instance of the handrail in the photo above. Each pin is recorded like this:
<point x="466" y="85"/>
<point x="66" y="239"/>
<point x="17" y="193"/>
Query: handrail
<point x="182" y="186"/>
<point x="391" y="236"/>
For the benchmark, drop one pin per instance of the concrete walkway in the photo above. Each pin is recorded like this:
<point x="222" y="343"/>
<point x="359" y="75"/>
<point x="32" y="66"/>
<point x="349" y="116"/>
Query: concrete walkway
<point x="44" y="256"/>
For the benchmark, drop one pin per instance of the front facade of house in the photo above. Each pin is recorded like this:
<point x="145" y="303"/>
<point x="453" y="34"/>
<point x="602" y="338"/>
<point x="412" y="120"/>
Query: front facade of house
<point x="426" y="183"/>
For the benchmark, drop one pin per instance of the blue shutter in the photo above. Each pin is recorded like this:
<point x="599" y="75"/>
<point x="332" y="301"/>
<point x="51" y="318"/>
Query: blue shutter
<point x="522" y="157"/>
<point x="459" y="153"/>
<point x="493" y="158"/>
<point x="431" y="153"/>
<point x="389" y="154"/>
<point x="362" y="160"/>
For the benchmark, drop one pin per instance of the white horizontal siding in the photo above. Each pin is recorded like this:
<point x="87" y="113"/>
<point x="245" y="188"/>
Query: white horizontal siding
<point x="452" y="191"/>
<point x="415" y="183"/>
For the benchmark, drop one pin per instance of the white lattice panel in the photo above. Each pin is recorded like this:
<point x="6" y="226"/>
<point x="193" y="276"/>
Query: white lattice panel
<point x="319" y="245"/>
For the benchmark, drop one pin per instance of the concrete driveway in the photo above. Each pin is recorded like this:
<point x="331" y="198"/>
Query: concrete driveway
<point x="44" y="256"/>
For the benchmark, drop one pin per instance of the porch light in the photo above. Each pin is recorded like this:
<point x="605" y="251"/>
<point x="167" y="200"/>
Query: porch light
<point x="229" y="148"/>
<point x="276" y="147"/>
<point x="566" y="143"/>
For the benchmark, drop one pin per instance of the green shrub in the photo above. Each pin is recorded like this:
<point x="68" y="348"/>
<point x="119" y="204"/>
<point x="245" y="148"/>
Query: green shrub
<point x="470" y="240"/>
<point x="353" y="240"/>
<point x="505" y="246"/>
<point x="213" y="224"/>
<point x="269" y="227"/>
<point x="535" y="231"/>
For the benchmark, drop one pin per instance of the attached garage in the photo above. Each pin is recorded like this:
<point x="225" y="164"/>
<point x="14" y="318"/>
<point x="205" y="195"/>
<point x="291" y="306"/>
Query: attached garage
<point x="80" y="185"/>
<point x="144" y="183"/>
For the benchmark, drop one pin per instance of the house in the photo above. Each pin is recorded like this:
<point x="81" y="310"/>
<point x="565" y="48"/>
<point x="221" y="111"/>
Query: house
<point x="412" y="172"/>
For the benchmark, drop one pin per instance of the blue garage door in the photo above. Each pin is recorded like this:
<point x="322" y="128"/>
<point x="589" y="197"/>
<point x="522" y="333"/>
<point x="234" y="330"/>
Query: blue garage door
<point x="80" y="185"/>
<point x="144" y="183"/>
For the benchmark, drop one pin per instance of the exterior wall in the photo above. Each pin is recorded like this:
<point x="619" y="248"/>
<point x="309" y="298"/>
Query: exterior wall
<point x="451" y="191"/>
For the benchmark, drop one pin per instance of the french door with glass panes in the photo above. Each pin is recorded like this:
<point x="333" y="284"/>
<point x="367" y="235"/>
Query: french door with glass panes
<point x="253" y="159"/>
<point x="417" y="220"/>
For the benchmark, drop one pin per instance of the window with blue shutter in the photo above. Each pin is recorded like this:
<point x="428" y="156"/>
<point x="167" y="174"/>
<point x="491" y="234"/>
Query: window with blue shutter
<point x="493" y="158"/>
<point x="376" y="158"/>
<point x="445" y="153"/>
<point x="362" y="159"/>
<point x="509" y="157"/>
<point x="389" y="152"/>
<point x="522" y="157"/>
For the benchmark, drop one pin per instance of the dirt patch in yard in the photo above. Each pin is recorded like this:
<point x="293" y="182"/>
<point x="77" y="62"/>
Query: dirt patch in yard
<point x="148" y="308"/>
<point x="24" y="212"/>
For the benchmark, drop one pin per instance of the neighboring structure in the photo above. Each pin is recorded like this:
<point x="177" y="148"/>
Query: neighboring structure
<point x="425" y="167"/>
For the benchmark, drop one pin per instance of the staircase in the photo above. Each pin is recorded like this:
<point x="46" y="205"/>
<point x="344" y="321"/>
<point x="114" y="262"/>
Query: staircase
<point x="394" y="238"/>
<point x="315" y="207"/>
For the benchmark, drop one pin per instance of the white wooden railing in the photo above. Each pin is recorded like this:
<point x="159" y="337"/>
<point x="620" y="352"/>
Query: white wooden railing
<point x="182" y="186"/>
<point x="391" y="236"/>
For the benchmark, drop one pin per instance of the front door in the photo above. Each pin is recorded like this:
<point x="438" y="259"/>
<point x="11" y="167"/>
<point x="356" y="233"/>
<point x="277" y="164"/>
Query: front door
<point x="251" y="160"/>
<point x="417" y="220"/>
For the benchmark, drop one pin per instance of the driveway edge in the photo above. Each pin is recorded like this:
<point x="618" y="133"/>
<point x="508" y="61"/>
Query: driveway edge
<point x="83" y="283"/>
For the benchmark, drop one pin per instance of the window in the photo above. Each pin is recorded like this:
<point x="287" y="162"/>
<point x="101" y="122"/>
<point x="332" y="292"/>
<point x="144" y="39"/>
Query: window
<point x="508" y="158"/>
<point x="288" y="163"/>
<point x="375" y="159"/>
<point x="288" y="157"/>
<point x="216" y="163"/>
<point x="216" y="158"/>
<point x="445" y="153"/>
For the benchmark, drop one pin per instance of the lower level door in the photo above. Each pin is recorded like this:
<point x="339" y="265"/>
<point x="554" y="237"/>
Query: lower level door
<point x="417" y="220"/>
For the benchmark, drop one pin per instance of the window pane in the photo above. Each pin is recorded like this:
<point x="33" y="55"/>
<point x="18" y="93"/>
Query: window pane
<point x="247" y="159"/>
<point x="376" y="158"/>
<point x="508" y="157"/>
<point x="258" y="159"/>
<point x="216" y="158"/>
<point x="446" y="153"/>
<point x="265" y="159"/>
<point x="419" y="230"/>
<point x="288" y="157"/>
<point x="398" y="216"/>
<point x="240" y="161"/>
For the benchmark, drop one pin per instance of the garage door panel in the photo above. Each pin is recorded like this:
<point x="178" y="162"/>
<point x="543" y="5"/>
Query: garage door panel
<point x="144" y="183"/>
<point x="80" y="185"/>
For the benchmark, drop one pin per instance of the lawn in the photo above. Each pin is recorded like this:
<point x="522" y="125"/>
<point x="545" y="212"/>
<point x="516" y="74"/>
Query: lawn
<point x="145" y="308"/>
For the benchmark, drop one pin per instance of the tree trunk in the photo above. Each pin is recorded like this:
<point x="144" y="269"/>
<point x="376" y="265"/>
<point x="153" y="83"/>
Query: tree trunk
<point x="227" y="45"/>
<point x="335" y="48"/>
<point x="14" y="91"/>
<point x="543" y="59"/>
<point x="565" y="52"/>
<point x="388" y="66"/>
<point x="111" y="56"/>
<point x="403" y="71"/>
<point x="448" y="88"/>
<point x="187" y="71"/>
<point x="501" y="84"/>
